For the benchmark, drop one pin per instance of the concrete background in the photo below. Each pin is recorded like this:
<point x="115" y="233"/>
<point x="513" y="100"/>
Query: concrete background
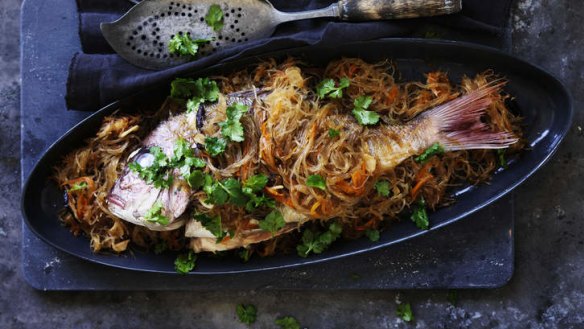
<point x="547" y="290"/>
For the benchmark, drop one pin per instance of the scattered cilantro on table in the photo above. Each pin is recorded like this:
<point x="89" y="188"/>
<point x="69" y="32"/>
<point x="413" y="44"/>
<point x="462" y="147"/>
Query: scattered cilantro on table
<point x="327" y="87"/>
<point x="435" y="149"/>
<point x="288" y="322"/>
<point x="214" y="17"/>
<point x="360" y="112"/>
<point x="185" y="263"/>
<point x="246" y="313"/>
<point x="404" y="311"/>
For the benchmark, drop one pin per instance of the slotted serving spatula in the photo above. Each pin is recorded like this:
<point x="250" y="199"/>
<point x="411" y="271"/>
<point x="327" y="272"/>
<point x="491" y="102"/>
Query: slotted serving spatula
<point x="142" y="35"/>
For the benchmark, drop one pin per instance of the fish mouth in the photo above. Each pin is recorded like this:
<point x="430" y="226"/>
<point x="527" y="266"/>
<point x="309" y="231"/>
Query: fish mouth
<point x="117" y="200"/>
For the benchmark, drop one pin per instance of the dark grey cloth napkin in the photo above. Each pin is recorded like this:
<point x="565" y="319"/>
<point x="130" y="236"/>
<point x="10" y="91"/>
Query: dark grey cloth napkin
<point x="97" y="76"/>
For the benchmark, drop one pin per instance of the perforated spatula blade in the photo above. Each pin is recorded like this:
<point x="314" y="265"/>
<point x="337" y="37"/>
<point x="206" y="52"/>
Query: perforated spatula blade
<point x="142" y="35"/>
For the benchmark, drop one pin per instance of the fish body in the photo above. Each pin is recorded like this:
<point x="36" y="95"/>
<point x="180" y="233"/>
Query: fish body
<point x="455" y="125"/>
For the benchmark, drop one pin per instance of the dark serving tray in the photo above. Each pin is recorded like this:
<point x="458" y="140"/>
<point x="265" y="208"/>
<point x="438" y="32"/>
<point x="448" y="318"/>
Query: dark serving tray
<point x="475" y="252"/>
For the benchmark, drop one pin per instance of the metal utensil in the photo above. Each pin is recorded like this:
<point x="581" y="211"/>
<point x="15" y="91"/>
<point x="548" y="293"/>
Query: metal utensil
<point x="141" y="36"/>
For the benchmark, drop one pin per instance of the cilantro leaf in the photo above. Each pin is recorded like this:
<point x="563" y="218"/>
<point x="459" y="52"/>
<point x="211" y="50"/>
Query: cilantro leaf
<point x="373" y="235"/>
<point x="382" y="187"/>
<point x="215" y="145"/>
<point x="501" y="158"/>
<point x="333" y="133"/>
<point x="256" y="201"/>
<point x="233" y="188"/>
<point x="157" y="172"/>
<point x="185" y="263"/>
<point x="155" y="215"/>
<point x="195" y="179"/>
<point x="360" y="112"/>
<point x="214" y="17"/>
<point x="232" y="128"/>
<point x="160" y="247"/>
<point x="78" y="186"/>
<point x="215" y="194"/>
<point x="246" y="313"/>
<point x="212" y="224"/>
<point x="404" y="311"/>
<point x="245" y="255"/>
<point x="256" y="182"/>
<point x="288" y="322"/>
<point x="435" y="149"/>
<point x="316" y="181"/>
<point x="318" y="242"/>
<point x="273" y="222"/>
<point x="327" y="88"/>
<point x="419" y="216"/>
<point x="184" y="45"/>
<point x="196" y="91"/>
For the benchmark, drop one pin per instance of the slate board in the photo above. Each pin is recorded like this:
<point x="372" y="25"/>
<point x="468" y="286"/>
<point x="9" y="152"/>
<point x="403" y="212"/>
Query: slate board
<point x="476" y="252"/>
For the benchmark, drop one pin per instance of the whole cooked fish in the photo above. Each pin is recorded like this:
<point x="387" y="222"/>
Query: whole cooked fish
<point x="455" y="125"/>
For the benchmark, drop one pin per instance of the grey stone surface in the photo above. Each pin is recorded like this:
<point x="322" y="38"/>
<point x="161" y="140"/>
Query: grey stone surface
<point x="547" y="290"/>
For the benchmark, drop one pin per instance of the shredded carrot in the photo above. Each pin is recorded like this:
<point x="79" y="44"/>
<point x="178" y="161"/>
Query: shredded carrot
<point x="391" y="96"/>
<point x="422" y="177"/>
<point x="352" y="70"/>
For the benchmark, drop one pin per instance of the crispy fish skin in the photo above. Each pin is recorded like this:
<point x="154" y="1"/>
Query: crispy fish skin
<point x="455" y="125"/>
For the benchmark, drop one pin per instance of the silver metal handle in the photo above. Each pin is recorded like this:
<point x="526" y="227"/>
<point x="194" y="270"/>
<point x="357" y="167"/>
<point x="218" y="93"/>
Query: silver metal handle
<point x="330" y="11"/>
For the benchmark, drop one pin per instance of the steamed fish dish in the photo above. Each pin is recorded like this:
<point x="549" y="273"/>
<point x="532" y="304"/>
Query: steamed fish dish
<point x="285" y="156"/>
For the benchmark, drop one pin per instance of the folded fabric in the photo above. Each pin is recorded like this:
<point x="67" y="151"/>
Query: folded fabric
<point x="97" y="76"/>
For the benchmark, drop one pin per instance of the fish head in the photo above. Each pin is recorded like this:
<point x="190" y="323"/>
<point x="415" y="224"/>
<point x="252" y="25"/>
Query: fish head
<point x="131" y="198"/>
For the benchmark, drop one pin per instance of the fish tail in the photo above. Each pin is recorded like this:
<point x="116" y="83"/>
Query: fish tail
<point x="459" y="124"/>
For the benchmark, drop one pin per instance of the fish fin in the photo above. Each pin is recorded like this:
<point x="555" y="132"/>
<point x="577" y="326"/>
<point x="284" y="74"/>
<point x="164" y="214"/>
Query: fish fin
<point x="459" y="122"/>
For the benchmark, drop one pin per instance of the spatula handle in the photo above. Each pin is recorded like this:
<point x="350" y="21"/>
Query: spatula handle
<point x="363" y="10"/>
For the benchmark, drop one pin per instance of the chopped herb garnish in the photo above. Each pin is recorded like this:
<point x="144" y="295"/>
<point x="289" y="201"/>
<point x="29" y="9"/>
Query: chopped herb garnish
<point x="184" y="45"/>
<point x="185" y="263"/>
<point x="382" y="188"/>
<point x="214" y="17"/>
<point x="196" y="91"/>
<point x="404" y="311"/>
<point x="501" y="157"/>
<point x="222" y="192"/>
<point x="333" y="133"/>
<point x="212" y="224"/>
<point x="256" y="183"/>
<point x="360" y="112"/>
<point x="273" y="222"/>
<point x="373" y="235"/>
<point x="195" y="179"/>
<point x="155" y="215"/>
<point x="288" y="322"/>
<point x="160" y="247"/>
<point x="245" y="254"/>
<point x="316" y="181"/>
<point x="246" y="313"/>
<point x="452" y="297"/>
<point x="420" y="216"/>
<point x="318" y="242"/>
<point x="327" y="88"/>
<point x="215" y="145"/>
<point x="435" y="149"/>
<point x="158" y="172"/>
<point x="78" y="186"/>
<point x="232" y="128"/>
<point x="252" y="188"/>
